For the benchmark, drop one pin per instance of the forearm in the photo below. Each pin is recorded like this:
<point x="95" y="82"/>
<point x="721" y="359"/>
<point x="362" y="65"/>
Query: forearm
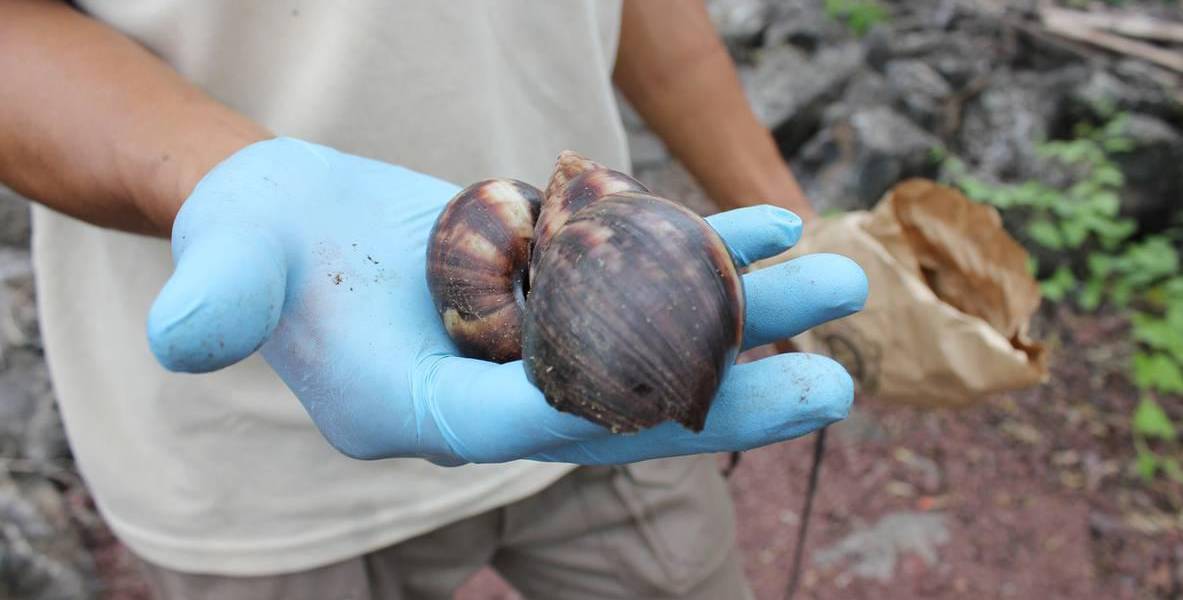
<point x="676" y="73"/>
<point x="96" y="127"/>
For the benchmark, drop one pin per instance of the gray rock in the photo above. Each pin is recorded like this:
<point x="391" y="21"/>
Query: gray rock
<point x="1131" y="86"/>
<point x="24" y="391"/>
<point x="18" y="308"/>
<point x="14" y="219"/>
<point x="1002" y="126"/>
<point x="1153" y="170"/>
<point x="914" y="44"/>
<point x="27" y="573"/>
<point x="45" y="436"/>
<point x="873" y="551"/>
<point x="740" y="22"/>
<point x="42" y="556"/>
<point x="961" y="59"/>
<point x="803" y="23"/>
<point x="22" y="512"/>
<point x="789" y="90"/>
<point x="853" y="161"/>
<point x="867" y="89"/>
<point x="919" y="88"/>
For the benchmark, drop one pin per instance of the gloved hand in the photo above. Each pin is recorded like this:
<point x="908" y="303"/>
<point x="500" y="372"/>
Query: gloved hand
<point x="315" y="258"/>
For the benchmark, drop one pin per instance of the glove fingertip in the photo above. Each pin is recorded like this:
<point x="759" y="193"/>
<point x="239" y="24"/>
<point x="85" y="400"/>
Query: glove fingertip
<point x="846" y="281"/>
<point x="220" y="305"/>
<point x="836" y="394"/>
<point x="757" y="232"/>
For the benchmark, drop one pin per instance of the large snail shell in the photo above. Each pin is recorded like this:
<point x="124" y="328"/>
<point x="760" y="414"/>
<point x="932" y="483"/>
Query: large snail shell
<point x="626" y="308"/>
<point x="635" y="314"/>
<point x="478" y="255"/>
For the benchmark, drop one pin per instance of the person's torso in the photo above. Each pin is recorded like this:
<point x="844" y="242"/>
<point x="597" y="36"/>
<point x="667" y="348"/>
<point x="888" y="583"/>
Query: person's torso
<point x="224" y="472"/>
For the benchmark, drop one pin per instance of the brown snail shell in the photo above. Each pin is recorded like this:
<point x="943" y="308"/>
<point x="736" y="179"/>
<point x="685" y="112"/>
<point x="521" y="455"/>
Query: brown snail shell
<point x="478" y="255"/>
<point x="629" y="307"/>
<point x="635" y="316"/>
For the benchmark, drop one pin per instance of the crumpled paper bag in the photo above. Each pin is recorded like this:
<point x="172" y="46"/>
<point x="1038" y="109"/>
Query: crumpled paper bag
<point x="950" y="298"/>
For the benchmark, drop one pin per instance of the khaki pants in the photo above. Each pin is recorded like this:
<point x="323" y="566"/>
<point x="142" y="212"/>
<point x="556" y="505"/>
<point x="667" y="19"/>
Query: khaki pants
<point x="658" y="529"/>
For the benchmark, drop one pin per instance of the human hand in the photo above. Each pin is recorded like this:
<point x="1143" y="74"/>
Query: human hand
<point x="315" y="258"/>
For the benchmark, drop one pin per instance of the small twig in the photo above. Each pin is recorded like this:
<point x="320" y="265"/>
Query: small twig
<point x="1127" y="24"/>
<point x="956" y="103"/>
<point x="22" y="466"/>
<point x="732" y="462"/>
<point x="1065" y="24"/>
<point x="819" y="446"/>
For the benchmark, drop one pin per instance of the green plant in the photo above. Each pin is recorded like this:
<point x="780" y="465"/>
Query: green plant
<point x="1099" y="263"/>
<point x="859" y="15"/>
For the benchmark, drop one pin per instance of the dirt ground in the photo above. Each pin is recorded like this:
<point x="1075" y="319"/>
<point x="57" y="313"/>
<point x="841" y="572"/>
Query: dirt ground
<point x="1026" y="496"/>
<point x="1029" y="495"/>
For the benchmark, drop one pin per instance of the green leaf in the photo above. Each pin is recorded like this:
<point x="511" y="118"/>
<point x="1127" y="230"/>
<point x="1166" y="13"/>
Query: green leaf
<point x="1100" y="265"/>
<point x="1173" y="289"/>
<point x="1059" y="284"/>
<point x="1174" y="317"/>
<point x="1170" y="466"/>
<point x="1092" y="294"/>
<point x="1145" y="263"/>
<point x="1044" y="233"/>
<point x="1081" y="191"/>
<point x="1051" y="199"/>
<point x="1120" y="293"/>
<point x="1073" y="233"/>
<point x="1161" y="334"/>
<point x="1062" y="209"/>
<point x="1147" y="465"/>
<point x="1150" y="420"/>
<point x="1073" y="152"/>
<point x="1117" y="145"/>
<point x="1113" y="232"/>
<point x="978" y="191"/>
<point x="1109" y="175"/>
<point x="1106" y="203"/>
<point x="1157" y="371"/>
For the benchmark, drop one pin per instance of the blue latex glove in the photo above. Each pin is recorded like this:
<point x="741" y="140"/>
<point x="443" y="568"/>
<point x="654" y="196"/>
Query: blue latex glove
<point x="315" y="258"/>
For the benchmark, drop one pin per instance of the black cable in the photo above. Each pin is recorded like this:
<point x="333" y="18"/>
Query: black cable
<point x="819" y="445"/>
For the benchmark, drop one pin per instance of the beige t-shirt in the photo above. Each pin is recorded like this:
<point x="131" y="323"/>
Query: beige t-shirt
<point x="224" y="472"/>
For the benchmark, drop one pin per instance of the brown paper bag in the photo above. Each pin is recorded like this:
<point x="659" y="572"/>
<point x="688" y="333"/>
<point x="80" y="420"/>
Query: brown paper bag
<point x="950" y="298"/>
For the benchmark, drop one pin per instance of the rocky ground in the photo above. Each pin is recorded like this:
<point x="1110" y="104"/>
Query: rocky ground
<point x="1028" y="495"/>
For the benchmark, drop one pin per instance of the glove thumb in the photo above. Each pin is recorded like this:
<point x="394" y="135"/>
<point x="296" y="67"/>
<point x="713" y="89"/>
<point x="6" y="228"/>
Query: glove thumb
<point x="222" y="301"/>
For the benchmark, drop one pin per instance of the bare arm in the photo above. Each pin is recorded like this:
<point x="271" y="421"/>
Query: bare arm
<point x="676" y="73"/>
<point x="96" y="127"/>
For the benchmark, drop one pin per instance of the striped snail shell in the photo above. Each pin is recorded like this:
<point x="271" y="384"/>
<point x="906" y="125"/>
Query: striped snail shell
<point x="626" y="308"/>
<point x="478" y="255"/>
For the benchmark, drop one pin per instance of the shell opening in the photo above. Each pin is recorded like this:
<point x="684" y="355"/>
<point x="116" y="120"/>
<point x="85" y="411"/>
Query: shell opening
<point x="521" y="289"/>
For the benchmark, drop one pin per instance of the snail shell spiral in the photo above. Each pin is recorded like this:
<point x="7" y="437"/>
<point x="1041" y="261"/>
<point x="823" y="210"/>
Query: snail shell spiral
<point x="478" y="255"/>
<point x="635" y="316"/>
